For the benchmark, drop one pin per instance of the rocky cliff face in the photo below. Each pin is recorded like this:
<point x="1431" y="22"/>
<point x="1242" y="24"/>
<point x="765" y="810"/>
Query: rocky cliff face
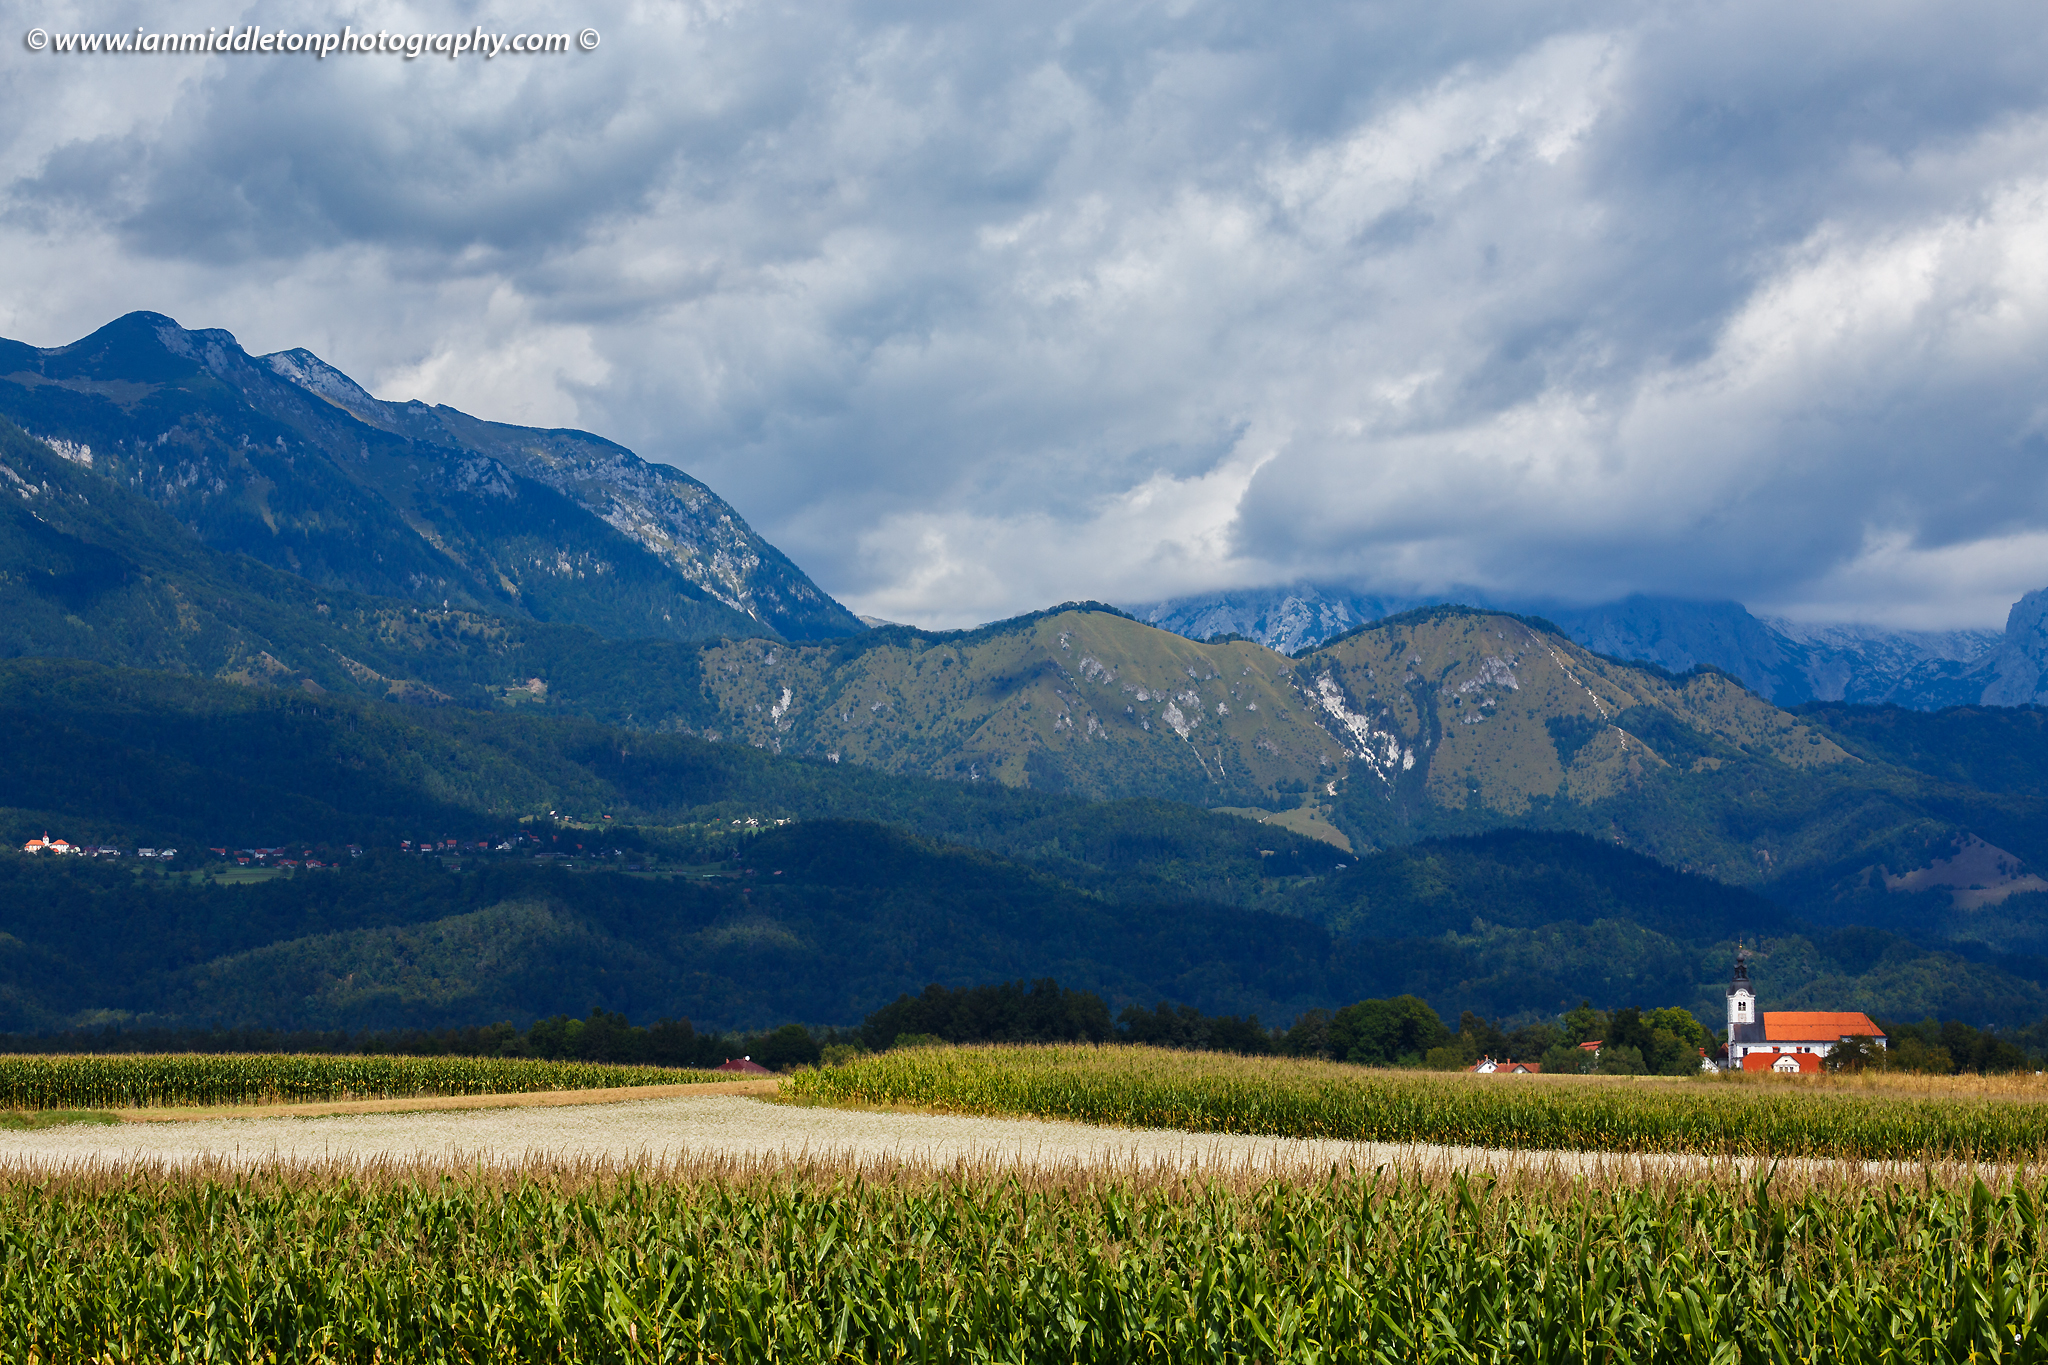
<point x="2018" y="671"/>
<point x="286" y="459"/>
<point x="1287" y="619"/>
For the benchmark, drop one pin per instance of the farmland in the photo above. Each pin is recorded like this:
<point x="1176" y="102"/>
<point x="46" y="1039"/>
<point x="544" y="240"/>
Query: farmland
<point x="1209" y="1093"/>
<point x="138" y="1081"/>
<point x="816" y="1261"/>
<point x="684" y="1229"/>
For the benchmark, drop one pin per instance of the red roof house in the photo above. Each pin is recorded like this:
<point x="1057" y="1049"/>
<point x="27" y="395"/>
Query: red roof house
<point x="745" y="1066"/>
<point x="1817" y="1026"/>
<point x="1783" y="1063"/>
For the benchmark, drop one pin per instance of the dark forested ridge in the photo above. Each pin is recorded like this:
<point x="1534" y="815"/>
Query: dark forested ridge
<point x="822" y="920"/>
<point x="826" y="920"/>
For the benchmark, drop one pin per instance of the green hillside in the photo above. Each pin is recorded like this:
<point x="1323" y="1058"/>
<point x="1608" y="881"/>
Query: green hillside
<point x="128" y="757"/>
<point x="1444" y="721"/>
<point x="826" y="920"/>
<point x="1140" y="899"/>
<point x="207" y="661"/>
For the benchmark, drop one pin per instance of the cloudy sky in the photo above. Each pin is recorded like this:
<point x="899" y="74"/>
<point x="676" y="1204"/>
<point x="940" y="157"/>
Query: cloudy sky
<point x="975" y="308"/>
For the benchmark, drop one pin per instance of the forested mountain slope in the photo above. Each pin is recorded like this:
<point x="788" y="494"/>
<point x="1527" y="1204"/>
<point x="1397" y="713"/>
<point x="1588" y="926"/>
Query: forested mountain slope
<point x="1141" y="899"/>
<point x="92" y="570"/>
<point x="288" y="461"/>
<point x="1441" y="720"/>
<point x="121" y="756"/>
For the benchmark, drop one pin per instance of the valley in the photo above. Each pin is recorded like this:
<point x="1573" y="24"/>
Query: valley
<point x="247" y="603"/>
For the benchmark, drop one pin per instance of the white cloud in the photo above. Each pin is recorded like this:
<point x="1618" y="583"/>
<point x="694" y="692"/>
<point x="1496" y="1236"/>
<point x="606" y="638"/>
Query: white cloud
<point x="974" y="310"/>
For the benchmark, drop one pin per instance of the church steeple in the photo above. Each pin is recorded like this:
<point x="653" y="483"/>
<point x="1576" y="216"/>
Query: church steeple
<point x="1745" y="1023"/>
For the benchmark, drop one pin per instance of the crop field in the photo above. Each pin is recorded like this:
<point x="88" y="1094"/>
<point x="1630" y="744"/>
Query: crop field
<point x="823" y="1262"/>
<point x="1209" y="1093"/>
<point x="44" y="1082"/>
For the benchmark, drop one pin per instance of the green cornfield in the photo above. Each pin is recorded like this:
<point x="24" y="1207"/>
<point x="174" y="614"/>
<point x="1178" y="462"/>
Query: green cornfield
<point x="824" y="1264"/>
<point x="1203" y="1092"/>
<point x="138" y="1081"/>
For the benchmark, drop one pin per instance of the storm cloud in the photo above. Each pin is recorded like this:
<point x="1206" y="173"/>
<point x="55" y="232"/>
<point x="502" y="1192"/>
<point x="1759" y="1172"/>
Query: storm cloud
<point x="976" y="309"/>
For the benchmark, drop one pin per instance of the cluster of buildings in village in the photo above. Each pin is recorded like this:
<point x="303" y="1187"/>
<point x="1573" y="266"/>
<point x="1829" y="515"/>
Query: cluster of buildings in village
<point x="245" y="857"/>
<point x="277" y="857"/>
<point x="65" y="848"/>
<point x="1785" y="1042"/>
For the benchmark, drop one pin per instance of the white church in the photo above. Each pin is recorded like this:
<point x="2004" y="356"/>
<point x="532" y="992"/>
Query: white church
<point x="1785" y="1041"/>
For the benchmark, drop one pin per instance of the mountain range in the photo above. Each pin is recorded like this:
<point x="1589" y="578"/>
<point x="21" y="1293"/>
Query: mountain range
<point x="558" y="865"/>
<point x="286" y="460"/>
<point x="245" y="602"/>
<point x="1787" y="661"/>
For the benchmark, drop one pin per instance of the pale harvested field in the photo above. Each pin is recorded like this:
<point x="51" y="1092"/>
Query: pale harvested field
<point x="692" y="1129"/>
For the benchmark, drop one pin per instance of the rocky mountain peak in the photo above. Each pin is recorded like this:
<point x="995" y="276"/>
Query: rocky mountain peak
<point x="2019" y="668"/>
<point x="300" y="467"/>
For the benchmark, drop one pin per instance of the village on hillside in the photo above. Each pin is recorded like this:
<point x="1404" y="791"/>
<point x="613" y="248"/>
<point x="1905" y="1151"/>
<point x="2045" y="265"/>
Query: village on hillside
<point x="63" y="848"/>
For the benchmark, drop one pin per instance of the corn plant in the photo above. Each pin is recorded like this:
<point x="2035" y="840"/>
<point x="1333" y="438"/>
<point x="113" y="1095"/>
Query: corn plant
<point x="136" y="1081"/>
<point x="1000" y="1267"/>
<point x="1205" y="1092"/>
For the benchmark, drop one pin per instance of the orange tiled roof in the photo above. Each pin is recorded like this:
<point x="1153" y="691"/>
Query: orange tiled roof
<point x="1811" y="1026"/>
<point x="1809" y="1062"/>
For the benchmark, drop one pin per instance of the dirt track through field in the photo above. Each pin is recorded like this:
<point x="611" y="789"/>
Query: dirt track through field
<point x="685" y="1128"/>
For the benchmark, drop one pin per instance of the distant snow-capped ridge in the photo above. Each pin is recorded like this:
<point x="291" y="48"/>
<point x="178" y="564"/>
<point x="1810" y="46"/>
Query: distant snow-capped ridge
<point x="1789" y="662"/>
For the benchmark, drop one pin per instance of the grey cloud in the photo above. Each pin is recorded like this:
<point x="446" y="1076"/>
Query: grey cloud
<point x="974" y="308"/>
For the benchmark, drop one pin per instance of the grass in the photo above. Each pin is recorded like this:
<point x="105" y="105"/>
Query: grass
<point x="31" y="1120"/>
<point x="831" y="1262"/>
<point x="64" y="1082"/>
<point x="1886" y="1119"/>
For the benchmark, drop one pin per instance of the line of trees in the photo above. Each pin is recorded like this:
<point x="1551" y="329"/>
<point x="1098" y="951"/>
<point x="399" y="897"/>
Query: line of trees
<point x="1402" y="1032"/>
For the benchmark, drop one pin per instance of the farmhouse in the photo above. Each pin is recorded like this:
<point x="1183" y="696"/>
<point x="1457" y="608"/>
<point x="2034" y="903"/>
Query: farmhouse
<point x="1487" y="1066"/>
<point x="1779" y="1040"/>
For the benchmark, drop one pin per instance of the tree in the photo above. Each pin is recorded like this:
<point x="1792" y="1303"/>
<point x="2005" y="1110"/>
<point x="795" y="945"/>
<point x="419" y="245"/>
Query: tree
<point x="1853" y="1054"/>
<point x="1308" y="1036"/>
<point x="1566" y="1059"/>
<point x="1584" y="1024"/>
<point x="1679" y="1040"/>
<point x="1165" y="1026"/>
<point x="791" y="1045"/>
<point x="1396" y="1032"/>
<point x="1622" y="1059"/>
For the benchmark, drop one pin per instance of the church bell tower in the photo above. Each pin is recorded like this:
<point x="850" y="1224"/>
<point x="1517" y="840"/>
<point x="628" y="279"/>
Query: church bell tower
<point x="1745" y="1022"/>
